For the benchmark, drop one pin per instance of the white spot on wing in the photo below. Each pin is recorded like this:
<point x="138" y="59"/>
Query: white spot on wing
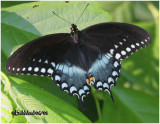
<point x="73" y="88"/>
<point x="116" y="64"/>
<point x="53" y="64"/>
<point x="114" y="73"/>
<point x="133" y="46"/>
<point x="39" y="60"/>
<point x="99" y="83"/>
<point x="142" y="42"/>
<point x="105" y="85"/>
<point x="117" y="56"/>
<point x="123" y="52"/>
<point x="128" y="49"/>
<point x="36" y="69"/>
<point x="64" y="85"/>
<point x="110" y="80"/>
<point x="124" y="39"/>
<point x="111" y="51"/>
<point x="50" y="71"/>
<point x="137" y="44"/>
<point x="30" y="68"/>
<point x="46" y="62"/>
<point x="116" y="46"/>
<point x="86" y="88"/>
<point x="57" y="78"/>
<point x="43" y="70"/>
<point x="81" y="91"/>
<point x="18" y="69"/>
<point x="120" y="43"/>
<point x="24" y="69"/>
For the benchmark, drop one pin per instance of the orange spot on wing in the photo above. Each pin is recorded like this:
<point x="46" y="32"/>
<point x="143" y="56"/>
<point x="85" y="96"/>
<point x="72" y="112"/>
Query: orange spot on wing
<point x="91" y="79"/>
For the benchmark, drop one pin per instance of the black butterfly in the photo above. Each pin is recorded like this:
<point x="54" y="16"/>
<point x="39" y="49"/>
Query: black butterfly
<point x="77" y="59"/>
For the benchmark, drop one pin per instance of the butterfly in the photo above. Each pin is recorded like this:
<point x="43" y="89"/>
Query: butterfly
<point x="78" y="59"/>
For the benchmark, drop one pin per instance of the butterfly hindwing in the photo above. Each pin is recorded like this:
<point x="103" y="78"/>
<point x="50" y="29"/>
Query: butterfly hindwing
<point x="72" y="79"/>
<point x="105" y="70"/>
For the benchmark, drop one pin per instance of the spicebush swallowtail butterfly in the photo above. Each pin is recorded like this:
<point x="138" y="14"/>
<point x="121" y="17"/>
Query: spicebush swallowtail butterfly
<point x="77" y="59"/>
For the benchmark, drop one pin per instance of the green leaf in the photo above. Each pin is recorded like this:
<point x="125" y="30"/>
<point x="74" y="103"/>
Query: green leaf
<point x="41" y="20"/>
<point x="19" y="119"/>
<point x="5" y="4"/>
<point x="156" y="4"/>
<point x="29" y="97"/>
<point x="6" y="108"/>
<point x="130" y="106"/>
<point x="127" y="11"/>
<point x="118" y="10"/>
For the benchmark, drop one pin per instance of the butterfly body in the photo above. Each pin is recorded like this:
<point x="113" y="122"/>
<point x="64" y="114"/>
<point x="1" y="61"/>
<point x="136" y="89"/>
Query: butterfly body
<point x="77" y="59"/>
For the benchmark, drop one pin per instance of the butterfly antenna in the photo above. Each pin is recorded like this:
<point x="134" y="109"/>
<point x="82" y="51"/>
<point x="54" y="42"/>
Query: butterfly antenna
<point x="61" y="17"/>
<point x="82" y="13"/>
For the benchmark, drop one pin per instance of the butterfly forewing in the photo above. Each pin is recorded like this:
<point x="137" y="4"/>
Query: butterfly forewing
<point x="117" y="39"/>
<point x="37" y="55"/>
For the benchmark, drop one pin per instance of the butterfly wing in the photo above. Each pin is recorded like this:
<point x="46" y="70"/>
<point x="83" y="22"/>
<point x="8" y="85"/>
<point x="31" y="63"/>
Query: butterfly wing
<point x="118" y="39"/>
<point x="53" y="55"/>
<point x="115" y="41"/>
<point x="37" y="54"/>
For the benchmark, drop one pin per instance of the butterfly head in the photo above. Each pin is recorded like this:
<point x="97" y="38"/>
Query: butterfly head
<point x="74" y="28"/>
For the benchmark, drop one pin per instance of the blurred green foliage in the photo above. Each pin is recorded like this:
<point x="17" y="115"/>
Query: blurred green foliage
<point x="137" y="92"/>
